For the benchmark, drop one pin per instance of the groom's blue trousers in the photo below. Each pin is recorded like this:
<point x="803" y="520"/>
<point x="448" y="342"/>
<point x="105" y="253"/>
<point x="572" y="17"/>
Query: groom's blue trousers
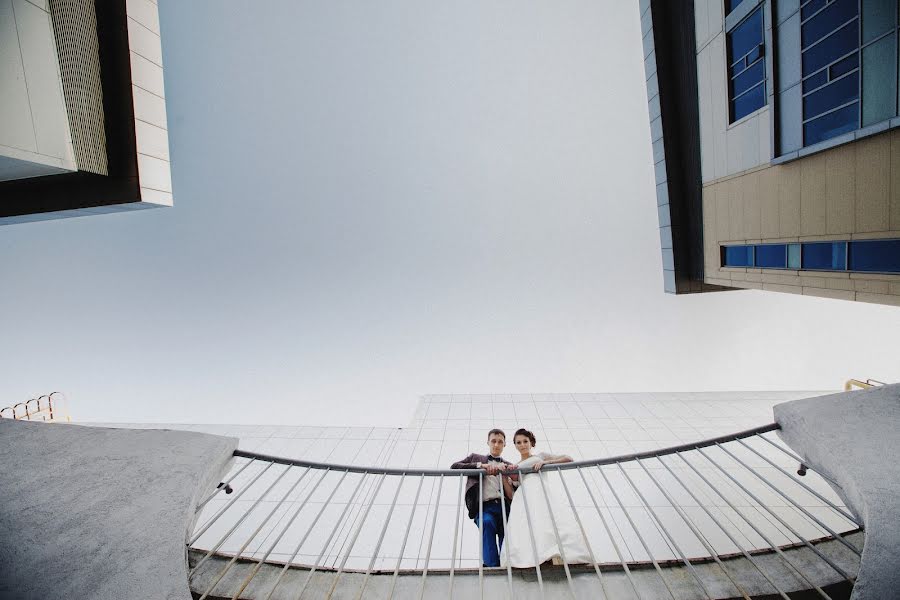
<point x="492" y="532"/>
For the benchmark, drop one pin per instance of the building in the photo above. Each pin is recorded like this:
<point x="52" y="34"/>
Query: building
<point x="83" y="122"/>
<point x="777" y="158"/>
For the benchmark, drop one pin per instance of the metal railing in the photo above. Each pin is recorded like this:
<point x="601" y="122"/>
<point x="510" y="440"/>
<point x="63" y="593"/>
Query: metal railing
<point x="868" y="383"/>
<point x="729" y="513"/>
<point x="46" y="408"/>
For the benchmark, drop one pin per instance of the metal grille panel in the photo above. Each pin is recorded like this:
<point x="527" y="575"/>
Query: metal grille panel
<point x="75" y="29"/>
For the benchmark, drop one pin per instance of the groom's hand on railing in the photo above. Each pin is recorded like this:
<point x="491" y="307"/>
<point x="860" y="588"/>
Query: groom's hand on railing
<point x="492" y="468"/>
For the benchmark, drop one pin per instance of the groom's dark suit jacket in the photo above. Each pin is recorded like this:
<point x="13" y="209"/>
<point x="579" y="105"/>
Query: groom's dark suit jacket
<point x="473" y="490"/>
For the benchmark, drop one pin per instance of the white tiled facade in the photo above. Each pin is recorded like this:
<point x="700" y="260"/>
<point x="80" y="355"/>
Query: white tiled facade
<point x="148" y="90"/>
<point x="445" y="428"/>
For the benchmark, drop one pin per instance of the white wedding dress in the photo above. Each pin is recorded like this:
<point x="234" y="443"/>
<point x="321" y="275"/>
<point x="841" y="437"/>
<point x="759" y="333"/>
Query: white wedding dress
<point x="518" y="543"/>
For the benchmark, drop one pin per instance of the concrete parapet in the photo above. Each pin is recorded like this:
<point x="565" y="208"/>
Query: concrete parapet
<point x="854" y="438"/>
<point x="89" y="512"/>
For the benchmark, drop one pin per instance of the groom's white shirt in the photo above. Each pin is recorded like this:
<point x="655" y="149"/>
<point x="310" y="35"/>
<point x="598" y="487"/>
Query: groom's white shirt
<point x="491" y="488"/>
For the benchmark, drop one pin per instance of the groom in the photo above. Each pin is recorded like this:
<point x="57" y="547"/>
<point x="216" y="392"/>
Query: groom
<point x="489" y="496"/>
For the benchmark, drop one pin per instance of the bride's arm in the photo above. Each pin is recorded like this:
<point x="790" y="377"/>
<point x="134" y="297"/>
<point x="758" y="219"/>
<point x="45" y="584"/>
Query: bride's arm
<point x="552" y="459"/>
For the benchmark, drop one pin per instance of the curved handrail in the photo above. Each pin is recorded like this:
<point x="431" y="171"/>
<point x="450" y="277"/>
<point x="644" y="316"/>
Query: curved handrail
<point x="559" y="466"/>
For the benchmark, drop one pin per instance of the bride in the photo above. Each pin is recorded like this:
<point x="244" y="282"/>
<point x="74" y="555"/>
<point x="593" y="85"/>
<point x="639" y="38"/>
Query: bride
<point x="519" y="551"/>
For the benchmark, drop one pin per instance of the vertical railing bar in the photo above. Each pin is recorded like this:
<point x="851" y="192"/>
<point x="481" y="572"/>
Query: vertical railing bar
<point x="692" y="526"/>
<point x="437" y="506"/>
<point x="584" y="536"/>
<point x="766" y="538"/>
<point x="387" y="521"/>
<point x="459" y="496"/>
<point x="309" y="529"/>
<point x="611" y="537"/>
<point x="481" y="534"/>
<point x="284" y="529"/>
<point x="750" y="522"/>
<point x="215" y="517"/>
<point x="836" y="508"/>
<point x="637" y="532"/>
<point x="225" y="483"/>
<point x="559" y="544"/>
<point x="505" y="534"/>
<point x="334" y="529"/>
<point x="665" y="531"/>
<point x="724" y="530"/>
<point x="256" y="531"/>
<point x="412" y="514"/>
<point x="340" y="541"/>
<point x="537" y="564"/>
<point x="362" y="523"/>
<point x="239" y="521"/>
<point x="287" y="526"/>
<point x="802" y="509"/>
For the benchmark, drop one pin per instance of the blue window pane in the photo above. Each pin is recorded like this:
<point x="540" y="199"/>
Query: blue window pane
<point x="749" y="102"/>
<point x="793" y="252"/>
<point x="738" y="256"/>
<point x="827" y="256"/>
<point x="831" y="48"/>
<point x="834" y="123"/>
<point x="745" y="36"/>
<point x="831" y="96"/>
<point x="827" y="21"/>
<point x="844" y="65"/>
<point x="811" y="7"/>
<point x="772" y="256"/>
<point x="749" y="78"/>
<point x="817" y="80"/>
<point x="875" y="255"/>
<point x="730" y="5"/>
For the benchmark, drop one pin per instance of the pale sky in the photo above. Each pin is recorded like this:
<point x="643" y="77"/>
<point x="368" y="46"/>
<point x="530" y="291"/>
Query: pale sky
<point x="378" y="201"/>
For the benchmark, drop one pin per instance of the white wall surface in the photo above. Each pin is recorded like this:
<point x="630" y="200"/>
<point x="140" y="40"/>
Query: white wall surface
<point x="148" y="90"/>
<point x="34" y="127"/>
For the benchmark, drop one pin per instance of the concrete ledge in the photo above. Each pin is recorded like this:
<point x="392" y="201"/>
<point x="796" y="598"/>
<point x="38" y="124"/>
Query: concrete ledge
<point x="466" y="583"/>
<point x="854" y="438"/>
<point x="89" y="512"/>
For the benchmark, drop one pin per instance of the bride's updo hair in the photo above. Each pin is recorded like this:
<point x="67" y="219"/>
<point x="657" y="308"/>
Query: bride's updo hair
<point x="527" y="434"/>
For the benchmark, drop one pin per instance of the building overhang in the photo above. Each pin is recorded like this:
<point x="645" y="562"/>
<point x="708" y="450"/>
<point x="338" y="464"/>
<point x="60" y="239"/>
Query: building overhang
<point x="122" y="162"/>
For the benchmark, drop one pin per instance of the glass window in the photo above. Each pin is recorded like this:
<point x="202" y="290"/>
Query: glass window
<point x="772" y="256"/>
<point x="810" y="8"/>
<point x="832" y="124"/>
<point x="737" y="256"/>
<point x="835" y="46"/>
<point x="849" y="66"/>
<point x="825" y="21"/>
<point x="879" y="85"/>
<point x="875" y="255"/>
<point x="825" y="256"/>
<point x="878" y="18"/>
<point x="831" y="96"/>
<point x="815" y="81"/>
<point x="747" y="66"/>
<point x="793" y="256"/>
<point x="730" y="5"/>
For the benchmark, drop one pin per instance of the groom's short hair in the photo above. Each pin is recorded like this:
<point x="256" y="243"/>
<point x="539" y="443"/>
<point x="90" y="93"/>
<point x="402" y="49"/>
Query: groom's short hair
<point x="498" y="432"/>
